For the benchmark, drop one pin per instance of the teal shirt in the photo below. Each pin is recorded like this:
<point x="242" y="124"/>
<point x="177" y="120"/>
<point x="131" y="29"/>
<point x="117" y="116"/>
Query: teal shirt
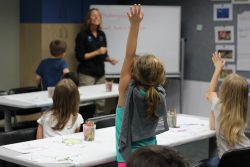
<point x="135" y="145"/>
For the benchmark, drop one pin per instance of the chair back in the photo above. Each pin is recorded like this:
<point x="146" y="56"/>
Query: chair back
<point x="17" y="136"/>
<point x="103" y="121"/>
<point x="2" y="93"/>
<point x="23" y="90"/>
<point x="237" y="157"/>
<point x="25" y="111"/>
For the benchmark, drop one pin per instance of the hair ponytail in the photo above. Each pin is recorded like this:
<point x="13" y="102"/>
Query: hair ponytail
<point x="152" y="99"/>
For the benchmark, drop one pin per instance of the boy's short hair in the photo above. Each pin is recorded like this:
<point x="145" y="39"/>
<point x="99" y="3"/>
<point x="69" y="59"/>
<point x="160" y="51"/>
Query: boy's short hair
<point x="57" y="47"/>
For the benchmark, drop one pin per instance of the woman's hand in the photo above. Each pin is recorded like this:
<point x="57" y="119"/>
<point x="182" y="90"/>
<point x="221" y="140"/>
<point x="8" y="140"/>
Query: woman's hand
<point x="113" y="61"/>
<point x="102" y="50"/>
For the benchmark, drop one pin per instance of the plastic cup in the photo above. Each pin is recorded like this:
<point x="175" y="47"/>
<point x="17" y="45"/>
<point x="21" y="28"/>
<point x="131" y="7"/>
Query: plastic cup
<point x="109" y="85"/>
<point x="171" y="118"/>
<point x="51" y="91"/>
<point x="89" y="132"/>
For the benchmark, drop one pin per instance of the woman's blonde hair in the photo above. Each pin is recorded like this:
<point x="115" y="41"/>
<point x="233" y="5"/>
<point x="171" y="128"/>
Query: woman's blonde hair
<point x="233" y="116"/>
<point x="66" y="101"/>
<point x="149" y="71"/>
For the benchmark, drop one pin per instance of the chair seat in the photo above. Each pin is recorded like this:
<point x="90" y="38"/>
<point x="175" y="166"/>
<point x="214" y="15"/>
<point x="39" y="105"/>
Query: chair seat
<point x="2" y="93"/>
<point x="233" y="158"/>
<point x="87" y="111"/>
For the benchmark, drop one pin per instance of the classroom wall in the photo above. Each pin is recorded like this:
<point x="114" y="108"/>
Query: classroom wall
<point x="34" y="47"/>
<point x="9" y="44"/>
<point x="199" y="45"/>
<point x="47" y="20"/>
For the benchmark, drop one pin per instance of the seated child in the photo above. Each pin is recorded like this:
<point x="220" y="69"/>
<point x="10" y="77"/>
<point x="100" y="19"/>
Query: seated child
<point x="228" y="116"/>
<point x="63" y="117"/>
<point x="87" y="111"/>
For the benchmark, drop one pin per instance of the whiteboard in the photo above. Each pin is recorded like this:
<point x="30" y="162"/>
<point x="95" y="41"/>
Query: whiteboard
<point x="159" y="34"/>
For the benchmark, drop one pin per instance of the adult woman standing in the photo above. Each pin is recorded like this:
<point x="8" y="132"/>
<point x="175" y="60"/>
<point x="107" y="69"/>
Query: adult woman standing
<point x="91" y="53"/>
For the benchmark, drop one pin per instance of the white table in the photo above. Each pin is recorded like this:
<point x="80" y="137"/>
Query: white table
<point x="41" y="99"/>
<point x="52" y="152"/>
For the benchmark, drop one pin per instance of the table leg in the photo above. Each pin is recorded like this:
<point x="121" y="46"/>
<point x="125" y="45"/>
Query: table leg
<point x="7" y="121"/>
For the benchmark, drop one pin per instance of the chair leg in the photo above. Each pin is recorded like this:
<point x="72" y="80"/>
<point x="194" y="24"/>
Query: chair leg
<point x="15" y="119"/>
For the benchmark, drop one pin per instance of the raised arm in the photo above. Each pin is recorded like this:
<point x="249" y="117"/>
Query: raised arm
<point x="135" y="16"/>
<point x="219" y="64"/>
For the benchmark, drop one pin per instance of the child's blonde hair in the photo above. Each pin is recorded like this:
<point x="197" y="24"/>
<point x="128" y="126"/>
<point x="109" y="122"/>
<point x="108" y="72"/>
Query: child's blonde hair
<point x="66" y="101"/>
<point x="233" y="116"/>
<point x="149" y="71"/>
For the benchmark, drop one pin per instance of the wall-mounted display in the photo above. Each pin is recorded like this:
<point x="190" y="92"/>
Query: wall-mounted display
<point x="224" y="34"/>
<point x="223" y="12"/>
<point x="228" y="69"/>
<point x="227" y="52"/>
<point x="240" y="1"/>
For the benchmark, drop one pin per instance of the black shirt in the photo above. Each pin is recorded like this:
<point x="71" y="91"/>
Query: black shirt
<point x="86" y="42"/>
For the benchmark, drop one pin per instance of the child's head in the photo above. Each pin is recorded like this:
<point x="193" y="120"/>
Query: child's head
<point x="66" y="101"/>
<point x="73" y="76"/>
<point x="234" y="98"/>
<point x="148" y="70"/>
<point x="57" y="48"/>
<point x="156" y="156"/>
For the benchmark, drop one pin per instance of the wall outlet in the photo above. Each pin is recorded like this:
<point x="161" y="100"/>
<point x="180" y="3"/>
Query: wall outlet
<point x="199" y="27"/>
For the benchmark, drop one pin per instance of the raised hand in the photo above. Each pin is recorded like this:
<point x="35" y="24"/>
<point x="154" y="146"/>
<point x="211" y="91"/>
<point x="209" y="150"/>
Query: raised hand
<point x="218" y="62"/>
<point x="135" y="14"/>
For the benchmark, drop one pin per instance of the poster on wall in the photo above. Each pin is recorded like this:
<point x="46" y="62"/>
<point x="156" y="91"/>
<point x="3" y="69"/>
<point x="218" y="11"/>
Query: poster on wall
<point x="243" y="41"/>
<point x="228" y="69"/>
<point x="224" y="34"/>
<point x="223" y="12"/>
<point x="227" y="52"/>
<point x="240" y="1"/>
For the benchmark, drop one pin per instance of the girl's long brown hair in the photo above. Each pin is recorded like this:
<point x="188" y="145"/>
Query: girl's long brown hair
<point x="233" y="114"/>
<point x="149" y="71"/>
<point x="66" y="101"/>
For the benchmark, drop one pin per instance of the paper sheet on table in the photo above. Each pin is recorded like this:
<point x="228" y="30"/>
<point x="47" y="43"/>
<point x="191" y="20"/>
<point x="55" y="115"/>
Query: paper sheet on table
<point x="61" y="143"/>
<point x="188" y="127"/>
<point x="33" y="98"/>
